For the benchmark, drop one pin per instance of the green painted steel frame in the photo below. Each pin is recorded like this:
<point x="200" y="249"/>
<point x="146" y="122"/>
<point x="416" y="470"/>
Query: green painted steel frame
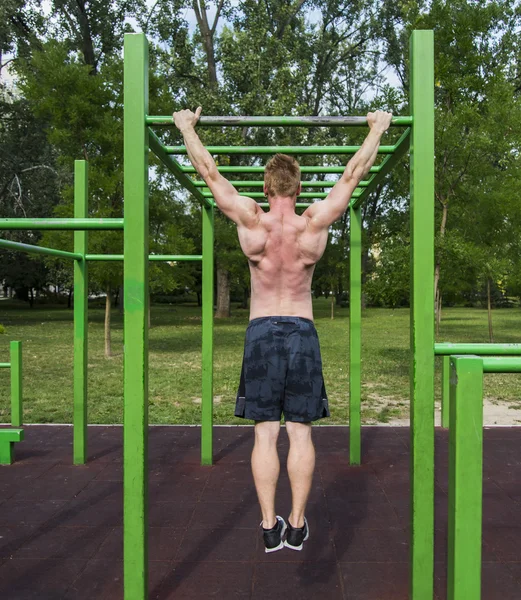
<point x="245" y="121"/>
<point x="181" y="150"/>
<point x="355" y="334"/>
<point x="16" y="384"/>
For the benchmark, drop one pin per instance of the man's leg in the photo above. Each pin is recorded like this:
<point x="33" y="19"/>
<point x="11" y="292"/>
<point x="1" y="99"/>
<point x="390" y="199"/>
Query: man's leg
<point x="265" y="466"/>
<point x="301" y="464"/>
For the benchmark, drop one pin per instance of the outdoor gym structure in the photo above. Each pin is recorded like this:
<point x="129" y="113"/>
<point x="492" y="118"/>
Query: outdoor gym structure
<point x="9" y="436"/>
<point x="139" y="139"/>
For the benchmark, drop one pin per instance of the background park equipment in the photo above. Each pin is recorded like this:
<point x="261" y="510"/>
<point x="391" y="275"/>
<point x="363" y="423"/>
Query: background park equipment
<point x="419" y="136"/>
<point x="9" y="436"/>
<point x="446" y="350"/>
<point x="81" y="258"/>
<point x="466" y="470"/>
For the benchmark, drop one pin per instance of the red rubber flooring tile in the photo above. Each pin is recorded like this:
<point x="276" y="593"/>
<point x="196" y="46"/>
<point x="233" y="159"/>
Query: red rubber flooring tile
<point x="306" y="581"/>
<point x="218" y="545"/>
<point x="170" y="514"/>
<point x="28" y="512"/>
<point x="375" y="581"/>
<point x="103" y="579"/>
<point x="371" y="545"/>
<point x="163" y="543"/>
<point x="505" y="541"/>
<point x="201" y="580"/>
<point x="380" y="515"/>
<point x="214" y="514"/>
<point x="33" y="579"/>
<point x="13" y="537"/>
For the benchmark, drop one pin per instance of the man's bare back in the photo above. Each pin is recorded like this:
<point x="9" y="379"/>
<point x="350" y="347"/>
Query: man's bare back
<point x="282" y="251"/>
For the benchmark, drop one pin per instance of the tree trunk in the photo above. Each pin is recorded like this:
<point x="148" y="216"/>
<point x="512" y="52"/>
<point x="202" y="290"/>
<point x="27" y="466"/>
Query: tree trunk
<point x="223" y="293"/>
<point x="443" y="227"/>
<point x="108" y="306"/>
<point x="489" y="310"/>
<point x="332" y="306"/>
<point x="120" y="299"/>
<point x="31" y="297"/>
<point x="207" y="34"/>
<point x="69" y="298"/>
<point x="199" y="299"/>
<point x="245" y="297"/>
<point x="438" y="312"/>
<point x="149" y="312"/>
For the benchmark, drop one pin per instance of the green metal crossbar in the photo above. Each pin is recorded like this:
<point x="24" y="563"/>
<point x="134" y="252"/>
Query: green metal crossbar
<point x="501" y="364"/>
<point x="256" y="169"/>
<point x="244" y="121"/>
<point x="261" y="194"/>
<point x="5" y="365"/>
<point x="387" y="165"/>
<point x="297" y="205"/>
<point x="181" y="150"/>
<point x="29" y="248"/>
<point x="304" y="184"/>
<point x="152" y="257"/>
<point x="60" y="224"/>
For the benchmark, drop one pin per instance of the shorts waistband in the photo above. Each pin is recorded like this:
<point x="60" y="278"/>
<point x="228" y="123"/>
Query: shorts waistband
<point x="280" y="319"/>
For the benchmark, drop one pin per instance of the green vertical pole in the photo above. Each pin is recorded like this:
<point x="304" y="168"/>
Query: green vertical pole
<point x="465" y="478"/>
<point x="422" y="315"/>
<point x="81" y="195"/>
<point x="135" y="434"/>
<point x="16" y="384"/>
<point x="445" y="391"/>
<point x="207" y="352"/>
<point x="355" y="339"/>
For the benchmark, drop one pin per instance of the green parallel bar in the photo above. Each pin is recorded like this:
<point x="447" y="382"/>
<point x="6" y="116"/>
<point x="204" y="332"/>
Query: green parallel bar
<point x="153" y="257"/>
<point x="478" y="349"/>
<point x="136" y="250"/>
<point x="422" y="315"/>
<point x="181" y="150"/>
<point x="244" y="121"/>
<point x="387" y="165"/>
<point x="355" y="335"/>
<point x="173" y="166"/>
<point x="303" y="169"/>
<point x="81" y="286"/>
<point x="260" y="183"/>
<point x="302" y="195"/>
<point x="297" y="205"/>
<point x="207" y="341"/>
<point x="445" y="391"/>
<point x="38" y="250"/>
<point x="59" y="224"/>
<point x="501" y="364"/>
<point x="16" y="384"/>
<point x="465" y="478"/>
<point x="5" y="365"/>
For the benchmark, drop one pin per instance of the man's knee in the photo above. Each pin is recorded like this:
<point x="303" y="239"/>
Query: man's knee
<point x="267" y="432"/>
<point x="298" y="432"/>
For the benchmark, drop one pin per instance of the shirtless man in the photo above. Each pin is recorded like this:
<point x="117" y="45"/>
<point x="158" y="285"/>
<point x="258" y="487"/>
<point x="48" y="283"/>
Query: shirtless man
<point x="282" y="367"/>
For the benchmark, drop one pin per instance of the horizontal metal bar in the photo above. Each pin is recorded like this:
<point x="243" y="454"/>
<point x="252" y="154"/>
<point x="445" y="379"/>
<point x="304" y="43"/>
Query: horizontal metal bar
<point x="5" y="365"/>
<point x="153" y="257"/>
<point x="305" y="184"/>
<point x="501" y="364"/>
<point x="446" y="349"/>
<point x="281" y="149"/>
<point x="356" y="193"/>
<point x="30" y="248"/>
<point x="59" y="224"/>
<point x="303" y="169"/>
<point x="173" y="166"/>
<point x="402" y="145"/>
<point x="297" y="205"/>
<point x="244" y="121"/>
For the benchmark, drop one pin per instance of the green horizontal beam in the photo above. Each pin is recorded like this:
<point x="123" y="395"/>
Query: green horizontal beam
<point x="153" y="257"/>
<point x="305" y="184"/>
<point x="501" y="364"/>
<point x="276" y="149"/>
<point x="261" y="194"/>
<point x="59" y="224"/>
<point x="244" y="121"/>
<point x="174" y="167"/>
<point x="303" y="169"/>
<point x="445" y="349"/>
<point x="297" y="205"/>
<point x="38" y="250"/>
<point x="402" y="145"/>
<point x="5" y="365"/>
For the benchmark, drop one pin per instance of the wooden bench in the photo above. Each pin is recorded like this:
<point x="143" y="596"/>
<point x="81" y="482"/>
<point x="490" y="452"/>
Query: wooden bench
<point x="8" y="438"/>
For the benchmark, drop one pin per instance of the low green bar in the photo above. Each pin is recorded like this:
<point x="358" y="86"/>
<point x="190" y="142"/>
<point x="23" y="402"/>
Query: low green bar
<point x="303" y="169"/>
<point x="260" y="183"/>
<point x="16" y="384"/>
<point x="181" y="150"/>
<point x="5" y="365"/>
<point x="38" y="250"/>
<point x="59" y="224"/>
<point x="501" y="364"/>
<point x="445" y="391"/>
<point x="479" y="349"/>
<point x="465" y="478"/>
<point x="153" y="257"/>
<point x="271" y="121"/>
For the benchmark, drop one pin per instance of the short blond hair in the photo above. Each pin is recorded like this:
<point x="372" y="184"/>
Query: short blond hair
<point x="282" y="176"/>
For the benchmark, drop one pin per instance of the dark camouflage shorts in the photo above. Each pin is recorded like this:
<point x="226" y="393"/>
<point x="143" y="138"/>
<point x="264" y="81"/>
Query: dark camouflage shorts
<point x="282" y="372"/>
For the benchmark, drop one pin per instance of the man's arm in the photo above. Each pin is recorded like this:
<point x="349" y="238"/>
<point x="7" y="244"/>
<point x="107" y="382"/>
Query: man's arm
<point x="322" y="214"/>
<point x="242" y="210"/>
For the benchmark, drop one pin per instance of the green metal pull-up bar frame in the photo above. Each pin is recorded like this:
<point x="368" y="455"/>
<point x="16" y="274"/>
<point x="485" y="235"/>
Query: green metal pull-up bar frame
<point x="15" y="366"/>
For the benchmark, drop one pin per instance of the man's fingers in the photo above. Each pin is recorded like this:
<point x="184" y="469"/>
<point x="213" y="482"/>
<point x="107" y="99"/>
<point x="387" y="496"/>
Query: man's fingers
<point x="198" y="112"/>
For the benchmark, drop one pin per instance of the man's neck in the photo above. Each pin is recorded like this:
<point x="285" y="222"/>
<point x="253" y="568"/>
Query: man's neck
<point x="282" y="205"/>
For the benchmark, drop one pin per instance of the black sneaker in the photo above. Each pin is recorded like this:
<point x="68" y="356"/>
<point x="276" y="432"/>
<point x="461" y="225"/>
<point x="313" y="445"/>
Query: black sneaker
<point x="297" y="536"/>
<point x="273" y="537"/>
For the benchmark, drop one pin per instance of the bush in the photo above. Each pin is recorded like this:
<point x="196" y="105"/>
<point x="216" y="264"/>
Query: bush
<point x="2" y="329"/>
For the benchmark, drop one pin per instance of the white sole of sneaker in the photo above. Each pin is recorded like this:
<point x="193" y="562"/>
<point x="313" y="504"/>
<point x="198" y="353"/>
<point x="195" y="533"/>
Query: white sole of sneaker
<point x="299" y="548"/>
<point x="281" y="545"/>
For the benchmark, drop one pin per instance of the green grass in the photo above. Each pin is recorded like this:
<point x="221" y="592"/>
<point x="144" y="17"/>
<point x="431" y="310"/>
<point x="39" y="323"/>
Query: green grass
<point x="175" y="361"/>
